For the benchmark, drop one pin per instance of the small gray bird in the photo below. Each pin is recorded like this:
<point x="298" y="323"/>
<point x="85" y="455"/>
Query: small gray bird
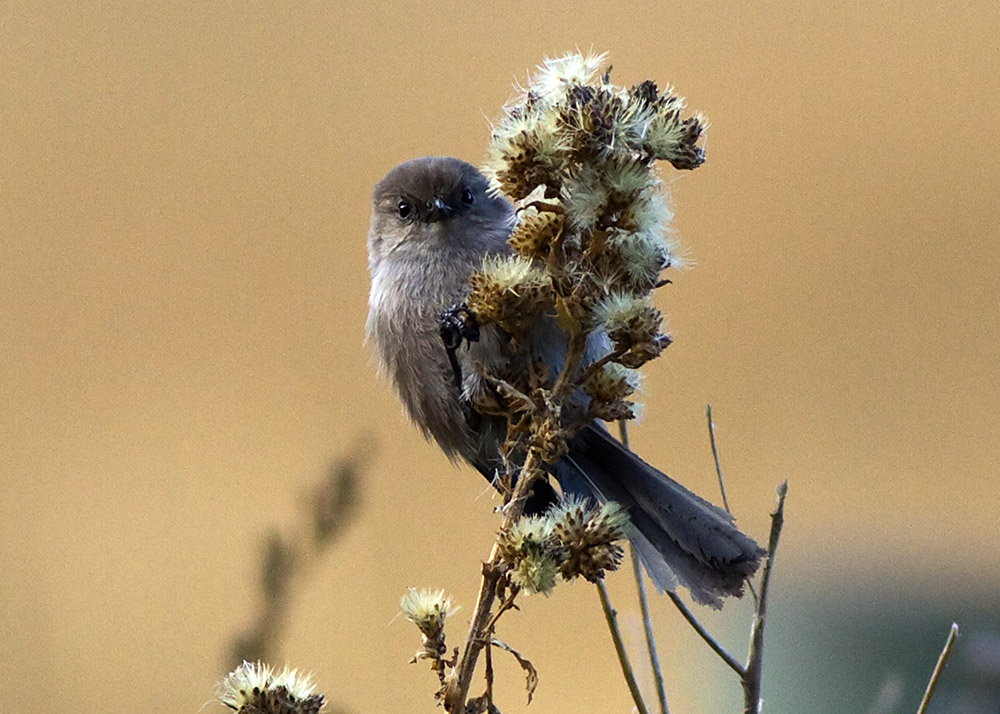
<point x="433" y="221"/>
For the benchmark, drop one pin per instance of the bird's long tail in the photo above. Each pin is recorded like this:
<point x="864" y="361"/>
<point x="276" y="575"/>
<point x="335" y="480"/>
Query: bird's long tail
<point x="680" y="537"/>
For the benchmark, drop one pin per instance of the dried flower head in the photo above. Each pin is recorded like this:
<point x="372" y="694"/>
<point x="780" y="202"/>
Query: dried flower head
<point x="609" y="388"/>
<point x="633" y="325"/>
<point x="255" y="688"/>
<point x="588" y="537"/>
<point x="535" y="233"/>
<point x="427" y="609"/>
<point x="578" y="152"/>
<point x="528" y="547"/>
<point x="555" y="76"/>
<point x="549" y="437"/>
<point x="509" y="290"/>
<point x="628" y="320"/>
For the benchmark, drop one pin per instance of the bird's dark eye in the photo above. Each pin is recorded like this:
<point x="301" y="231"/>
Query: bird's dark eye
<point x="403" y="208"/>
<point x="467" y="197"/>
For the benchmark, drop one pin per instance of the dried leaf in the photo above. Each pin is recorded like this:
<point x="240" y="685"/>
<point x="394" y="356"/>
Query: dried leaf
<point x="529" y="669"/>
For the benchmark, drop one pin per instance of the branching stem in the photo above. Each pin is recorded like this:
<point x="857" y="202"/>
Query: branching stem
<point x="755" y="657"/>
<point x="482" y="622"/>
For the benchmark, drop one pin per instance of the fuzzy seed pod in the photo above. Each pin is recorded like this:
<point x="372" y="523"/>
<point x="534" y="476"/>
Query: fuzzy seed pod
<point x="509" y="290"/>
<point x="628" y="320"/>
<point x="527" y="546"/>
<point x="535" y="233"/>
<point x="612" y="383"/>
<point x="549" y="441"/>
<point x="255" y="688"/>
<point x="588" y="537"/>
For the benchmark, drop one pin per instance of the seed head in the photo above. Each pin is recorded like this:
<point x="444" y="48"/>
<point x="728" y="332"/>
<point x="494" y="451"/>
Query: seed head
<point x="509" y="290"/>
<point x="535" y="233"/>
<point x="588" y="537"/>
<point x="628" y="319"/>
<point x="554" y="77"/>
<point x="633" y="325"/>
<point x="528" y="546"/>
<point x="527" y="151"/>
<point x="255" y="688"/>
<point x="427" y="609"/>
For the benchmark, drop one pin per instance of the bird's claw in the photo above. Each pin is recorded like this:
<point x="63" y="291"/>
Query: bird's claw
<point x="456" y="324"/>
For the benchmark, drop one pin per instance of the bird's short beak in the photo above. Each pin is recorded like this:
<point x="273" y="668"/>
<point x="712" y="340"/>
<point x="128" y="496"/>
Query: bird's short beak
<point x="438" y="209"/>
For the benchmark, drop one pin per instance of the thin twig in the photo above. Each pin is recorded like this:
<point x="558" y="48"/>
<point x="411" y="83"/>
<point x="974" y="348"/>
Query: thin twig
<point x="612" y="619"/>
<point x="507" y="604"/>
<point x="647" y="621"/>
<point x="938" y="668"/>
<point x="722" y="481"/>
<point x="700" y="629"/>
<point x="489" y="674"/>
<point x="647" y="627"/>
<point x="755" y="657"/>
<point x="715" y="455"/>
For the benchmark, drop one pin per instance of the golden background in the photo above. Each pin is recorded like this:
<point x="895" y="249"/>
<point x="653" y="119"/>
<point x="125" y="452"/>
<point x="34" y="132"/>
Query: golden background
<point x="183" y="206"/>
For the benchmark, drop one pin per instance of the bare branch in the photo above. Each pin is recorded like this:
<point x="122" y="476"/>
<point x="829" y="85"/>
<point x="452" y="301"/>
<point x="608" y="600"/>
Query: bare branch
<point x="700" y="629"/>
<point x="715" y="455"/>
<point x="612" y="619"/>
<point x="938" y="668"/>
<point x="647" y="622"/>
<point x="755" y="657"/>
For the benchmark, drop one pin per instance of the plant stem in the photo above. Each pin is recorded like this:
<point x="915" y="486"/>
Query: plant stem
<point x="715" y="455"/>
<point x="755" y="657"/>
<point x="647" y="621"/>
<point x="478" y="635"/>
<point x="612" y="619"/>
<point x="938" y="668"/>
<point x="700" y="629"/>
<point x="647" y="627"/>
<point x="722" y="481"/>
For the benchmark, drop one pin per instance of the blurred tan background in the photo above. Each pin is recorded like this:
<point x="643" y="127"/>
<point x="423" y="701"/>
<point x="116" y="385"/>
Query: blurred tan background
<point x="183" y="205"/>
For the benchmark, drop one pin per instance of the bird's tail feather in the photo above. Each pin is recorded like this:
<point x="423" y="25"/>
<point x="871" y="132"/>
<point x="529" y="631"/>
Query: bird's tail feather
<point x="680" y="537"/>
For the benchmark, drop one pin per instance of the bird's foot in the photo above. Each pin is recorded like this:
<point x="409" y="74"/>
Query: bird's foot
<point x="457" y="324"/>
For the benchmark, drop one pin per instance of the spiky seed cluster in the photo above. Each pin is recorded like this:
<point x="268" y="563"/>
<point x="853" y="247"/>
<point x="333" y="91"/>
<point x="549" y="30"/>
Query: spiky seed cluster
<point x="633" y="325"/>
<point x="428" y="609"/>
<point x="588" y="537"/>
<point x="535" y="233"/>
<point x="532" y="155"/>
<point x="609" y="389"/>
<point x="509" y="290"/>
<point x="577" y="154"/>
<point x="255" y="688"/>
<point x="568" y="118"/>
<point x="573" y="538"/>
<point x="530" y="549"/>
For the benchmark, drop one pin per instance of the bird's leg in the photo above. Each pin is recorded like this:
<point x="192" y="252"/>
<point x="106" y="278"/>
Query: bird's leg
<point x="457" y="324"/>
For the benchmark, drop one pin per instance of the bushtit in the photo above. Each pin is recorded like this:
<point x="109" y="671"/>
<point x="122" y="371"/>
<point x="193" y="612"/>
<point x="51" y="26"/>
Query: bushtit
<point x="433" y="222"/>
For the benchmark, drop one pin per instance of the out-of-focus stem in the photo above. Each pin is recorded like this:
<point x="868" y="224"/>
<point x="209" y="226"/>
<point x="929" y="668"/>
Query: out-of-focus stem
<point x="612" y="619"/>
<point x="938" y="668"/>
<point x="647" y="622"/>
